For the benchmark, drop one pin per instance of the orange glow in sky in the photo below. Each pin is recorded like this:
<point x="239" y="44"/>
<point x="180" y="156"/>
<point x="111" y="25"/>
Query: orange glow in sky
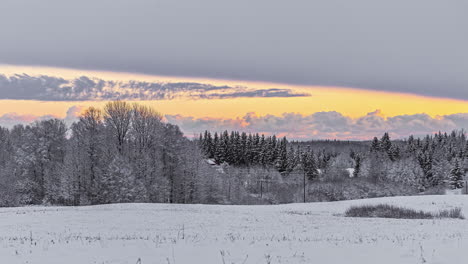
<point x="348" y="101"/>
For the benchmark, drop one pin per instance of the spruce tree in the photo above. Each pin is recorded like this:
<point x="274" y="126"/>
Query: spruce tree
<point x="282" y="159"/>
<point x="410" y="144"/>
<point x="256" y="150"/>
<point x="455" y="180"/>
<point x="357" y="162"/>
<point x="292" y="159"/>
<point x="263" y="151"/>
<point x="385" y="143"/>
<point x="357" y="166"/>
<point x="243" y="149"/>
<point x="309" y="165"/>
<point x="218" y="157"/>
<point x="273" y="151"/>
<point x="393" y="153"/>
<point x="249" y="150"/>
<point x="425" y="160"/>
<point x="375" y="145"/>
<point x="209" y="146"/>
<point x="466" y="150"/>
<point x="225" y="150"/>
<point x="201" y="141"/>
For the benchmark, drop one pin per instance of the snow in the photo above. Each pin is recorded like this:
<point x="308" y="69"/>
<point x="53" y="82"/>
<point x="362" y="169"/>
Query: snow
<point x="177" y="234"/>
<point x="211" y="161"/>
<point x="350" y="172"/>
<point x="453" y="192"/>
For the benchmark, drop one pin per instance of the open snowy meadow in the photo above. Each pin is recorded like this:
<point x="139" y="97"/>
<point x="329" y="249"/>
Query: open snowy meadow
<point x="176" y="234"/>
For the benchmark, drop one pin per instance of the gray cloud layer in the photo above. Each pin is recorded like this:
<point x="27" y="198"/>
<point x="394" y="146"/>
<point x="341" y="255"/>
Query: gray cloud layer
<point x="324" y="125"/>
<point x="49" y="88"/>
<point x="416" y="46"/>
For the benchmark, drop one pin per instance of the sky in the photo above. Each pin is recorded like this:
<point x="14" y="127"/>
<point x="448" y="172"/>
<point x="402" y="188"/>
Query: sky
<point x="305" y="69"/>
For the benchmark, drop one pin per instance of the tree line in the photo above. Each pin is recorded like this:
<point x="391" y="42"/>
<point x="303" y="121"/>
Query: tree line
<point x="425" y="163"/>
<point x="127" y="153"/>
<point x="249" y="150"/>
<point x="121" y="153"/>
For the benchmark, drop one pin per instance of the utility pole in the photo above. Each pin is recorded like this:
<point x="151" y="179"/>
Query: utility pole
<point x="304" y="185"/>
<point x="261" y="188"/>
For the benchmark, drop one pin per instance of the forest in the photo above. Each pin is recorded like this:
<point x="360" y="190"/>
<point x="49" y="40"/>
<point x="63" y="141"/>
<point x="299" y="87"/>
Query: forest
<point x="126" y="153"/>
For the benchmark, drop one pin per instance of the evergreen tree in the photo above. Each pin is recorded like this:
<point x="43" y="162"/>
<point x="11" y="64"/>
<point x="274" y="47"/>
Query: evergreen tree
<point x="394" y="153"/>
<point x="282" y="159"/>
<point x="272" y="150"/>
<point x="262" y="157"/>
<point x="217" y="149"/>
<point x="249" y="150"/>
<point x="385" y="142"/>
<point x="375" y="145"/>
<point x="201" y="141"/>
<point x="466" y="150"/>
<point x="410" y="144"/>
<point x="209" y="148"/>
<point x="224" y="149"/>
<point x="243" y="153"/>
<point x="357" y="163"/>
<point x="292" y="159"/>
<point x="425" y="160"/>
<point x="455" y="180"/>
<point x="309" y="165"/>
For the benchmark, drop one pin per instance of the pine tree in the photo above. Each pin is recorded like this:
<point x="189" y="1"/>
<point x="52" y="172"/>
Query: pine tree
<point x="466" y="150"/>
<point x="272" y="150"/>
<point x="309" y="165"/>
<point x="262" y="157"/>
<point x="204" y="145"/>
<point x="218" y="153"/>
<point x="249" y="150"/>
<point x="455" y="180"/>
<point x="410" y="144"/>
<point x="357" y="166"/>
<point x="375" y="145"/>
<point x="201" y="141"/>
<point x="282" y="159"/>
<point x="385" y="143"/>
<point x="243" y="156"/>
<point x="236" y="149"/>
<point x="256" y="150"/>
<point x="425" y="160"/>
<point x="210" y="150"/>
<point x="224" y="150"/>
<point x="393" y="153"/>
<point x="357" y="163"/>
<point x="292" y="159"/>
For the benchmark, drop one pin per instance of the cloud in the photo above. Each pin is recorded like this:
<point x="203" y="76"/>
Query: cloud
<point x="320" y="125"/>
<point x="325" y="125"/>
<point x="416" y="46"/>
<point x="73" y="114"/>
<point x="49" y="88"/>
<point x="273" y="92"/>
<point x="11" y="119"/>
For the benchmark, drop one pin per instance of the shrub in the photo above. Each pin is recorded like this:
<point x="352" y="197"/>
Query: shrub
<point x="451" y="213"/>
<point x="390" y="211"/>
<point x="355" y="188"/>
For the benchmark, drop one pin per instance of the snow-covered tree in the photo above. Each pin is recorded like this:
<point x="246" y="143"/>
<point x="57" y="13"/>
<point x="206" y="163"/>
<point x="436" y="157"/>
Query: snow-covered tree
<point x="455" y="180"/>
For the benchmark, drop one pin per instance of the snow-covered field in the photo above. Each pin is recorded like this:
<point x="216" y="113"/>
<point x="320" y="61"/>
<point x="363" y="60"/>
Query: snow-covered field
<point x="176" y="234"/>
